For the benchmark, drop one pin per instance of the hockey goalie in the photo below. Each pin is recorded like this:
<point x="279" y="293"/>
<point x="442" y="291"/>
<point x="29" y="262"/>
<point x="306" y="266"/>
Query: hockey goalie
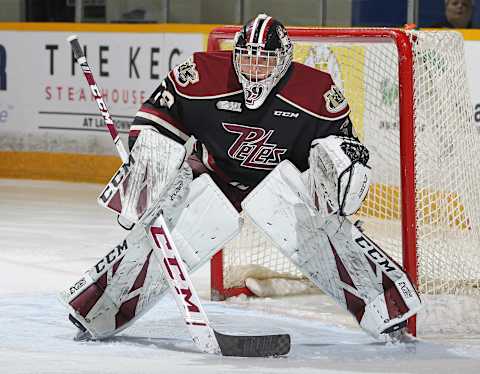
<point x="251" y="130"/>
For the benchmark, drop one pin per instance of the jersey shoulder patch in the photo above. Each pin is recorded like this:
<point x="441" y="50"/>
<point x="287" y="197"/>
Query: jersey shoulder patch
<point x="206" y="75"/>
<point x="314" y="92"/>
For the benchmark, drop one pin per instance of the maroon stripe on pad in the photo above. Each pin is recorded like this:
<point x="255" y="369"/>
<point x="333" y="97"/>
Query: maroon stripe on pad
<point x="126" y="312"/>
<point x="84" y="302"/>
<point x="395" y="304"/>
<point x="142" y="275"/>
<point x="355" y="305"/>
<point x="342" y="271"/>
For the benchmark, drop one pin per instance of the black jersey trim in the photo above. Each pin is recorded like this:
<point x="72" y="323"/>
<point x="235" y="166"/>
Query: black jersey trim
<point x="310" y="112"/>
<point x="203" y="97"/>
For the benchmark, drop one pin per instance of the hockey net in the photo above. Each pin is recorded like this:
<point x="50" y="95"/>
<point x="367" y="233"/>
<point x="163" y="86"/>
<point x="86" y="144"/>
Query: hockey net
<point x="410" y="105"/>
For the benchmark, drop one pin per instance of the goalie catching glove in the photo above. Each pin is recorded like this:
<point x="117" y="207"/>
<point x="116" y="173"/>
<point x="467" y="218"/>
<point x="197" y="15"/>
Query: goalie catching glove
<point x="339" y="176"/>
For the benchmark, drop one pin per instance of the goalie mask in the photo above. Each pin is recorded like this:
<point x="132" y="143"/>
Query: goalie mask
<point x="262" y="53"/>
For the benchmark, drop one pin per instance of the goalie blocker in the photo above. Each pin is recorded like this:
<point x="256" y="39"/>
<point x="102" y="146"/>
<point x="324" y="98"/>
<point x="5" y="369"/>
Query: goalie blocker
<point x="334" y="254"/>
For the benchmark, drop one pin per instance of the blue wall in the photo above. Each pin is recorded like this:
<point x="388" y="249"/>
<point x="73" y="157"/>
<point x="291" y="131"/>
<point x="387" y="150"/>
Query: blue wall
<point x="378" y="13"/>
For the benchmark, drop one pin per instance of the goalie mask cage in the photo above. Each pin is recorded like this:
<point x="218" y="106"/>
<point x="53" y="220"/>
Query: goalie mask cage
<point x="410" y="106"/>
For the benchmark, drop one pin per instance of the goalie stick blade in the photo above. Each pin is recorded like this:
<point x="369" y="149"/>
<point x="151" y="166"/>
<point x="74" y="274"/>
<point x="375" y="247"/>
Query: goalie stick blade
<point x="253" y="346"/>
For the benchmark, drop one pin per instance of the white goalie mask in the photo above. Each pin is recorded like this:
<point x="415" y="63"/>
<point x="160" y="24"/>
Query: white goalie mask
<point x="262" y="54"/>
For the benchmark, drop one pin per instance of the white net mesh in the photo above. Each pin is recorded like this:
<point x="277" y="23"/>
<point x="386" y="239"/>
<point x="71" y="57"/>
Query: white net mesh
<point x="447" y="152"/>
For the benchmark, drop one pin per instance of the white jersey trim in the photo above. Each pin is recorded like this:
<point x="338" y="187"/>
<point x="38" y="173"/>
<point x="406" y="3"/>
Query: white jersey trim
<point x="311" y="113"/>
<point x="143" y="127"/>
<point x="202" y="97"/>
<point x="163" y="123"/>
<point x="205" y="158"/>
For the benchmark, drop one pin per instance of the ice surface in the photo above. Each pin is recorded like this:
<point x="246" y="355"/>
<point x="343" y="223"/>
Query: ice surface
<point x="50" y="232"/>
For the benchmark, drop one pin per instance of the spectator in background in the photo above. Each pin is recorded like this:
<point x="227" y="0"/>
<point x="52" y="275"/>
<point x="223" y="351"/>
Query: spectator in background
<point x="458" y="14"/>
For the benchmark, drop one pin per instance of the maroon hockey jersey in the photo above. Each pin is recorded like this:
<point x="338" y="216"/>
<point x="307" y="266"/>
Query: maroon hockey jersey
<point x="202" y="97"/>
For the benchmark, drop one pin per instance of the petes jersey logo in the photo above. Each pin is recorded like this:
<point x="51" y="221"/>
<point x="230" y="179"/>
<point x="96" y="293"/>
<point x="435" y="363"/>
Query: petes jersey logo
<point x="334" y="100"/>
<point x="252" y="147"/>
<point x="186" y="73"/>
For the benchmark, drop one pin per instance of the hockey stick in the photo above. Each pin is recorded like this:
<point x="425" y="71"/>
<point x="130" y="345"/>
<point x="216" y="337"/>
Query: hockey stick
<point x="188" y="302"/>
<point x="97" y="94"/>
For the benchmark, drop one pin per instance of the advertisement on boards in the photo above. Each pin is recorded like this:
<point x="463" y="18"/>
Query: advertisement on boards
<point x="46" y="105"/>
<point x="5" y="106"/>
<point x="45" y="102"/>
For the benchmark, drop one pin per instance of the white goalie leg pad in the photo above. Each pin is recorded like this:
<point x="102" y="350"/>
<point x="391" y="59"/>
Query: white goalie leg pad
<point x="153" y="164"/>
<point x="129" y="281"/>
<point x="203" y="223"/>
<point x="390" y="297"/>
<point x="332" y="252"/>
<point x="115" y="292"/>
